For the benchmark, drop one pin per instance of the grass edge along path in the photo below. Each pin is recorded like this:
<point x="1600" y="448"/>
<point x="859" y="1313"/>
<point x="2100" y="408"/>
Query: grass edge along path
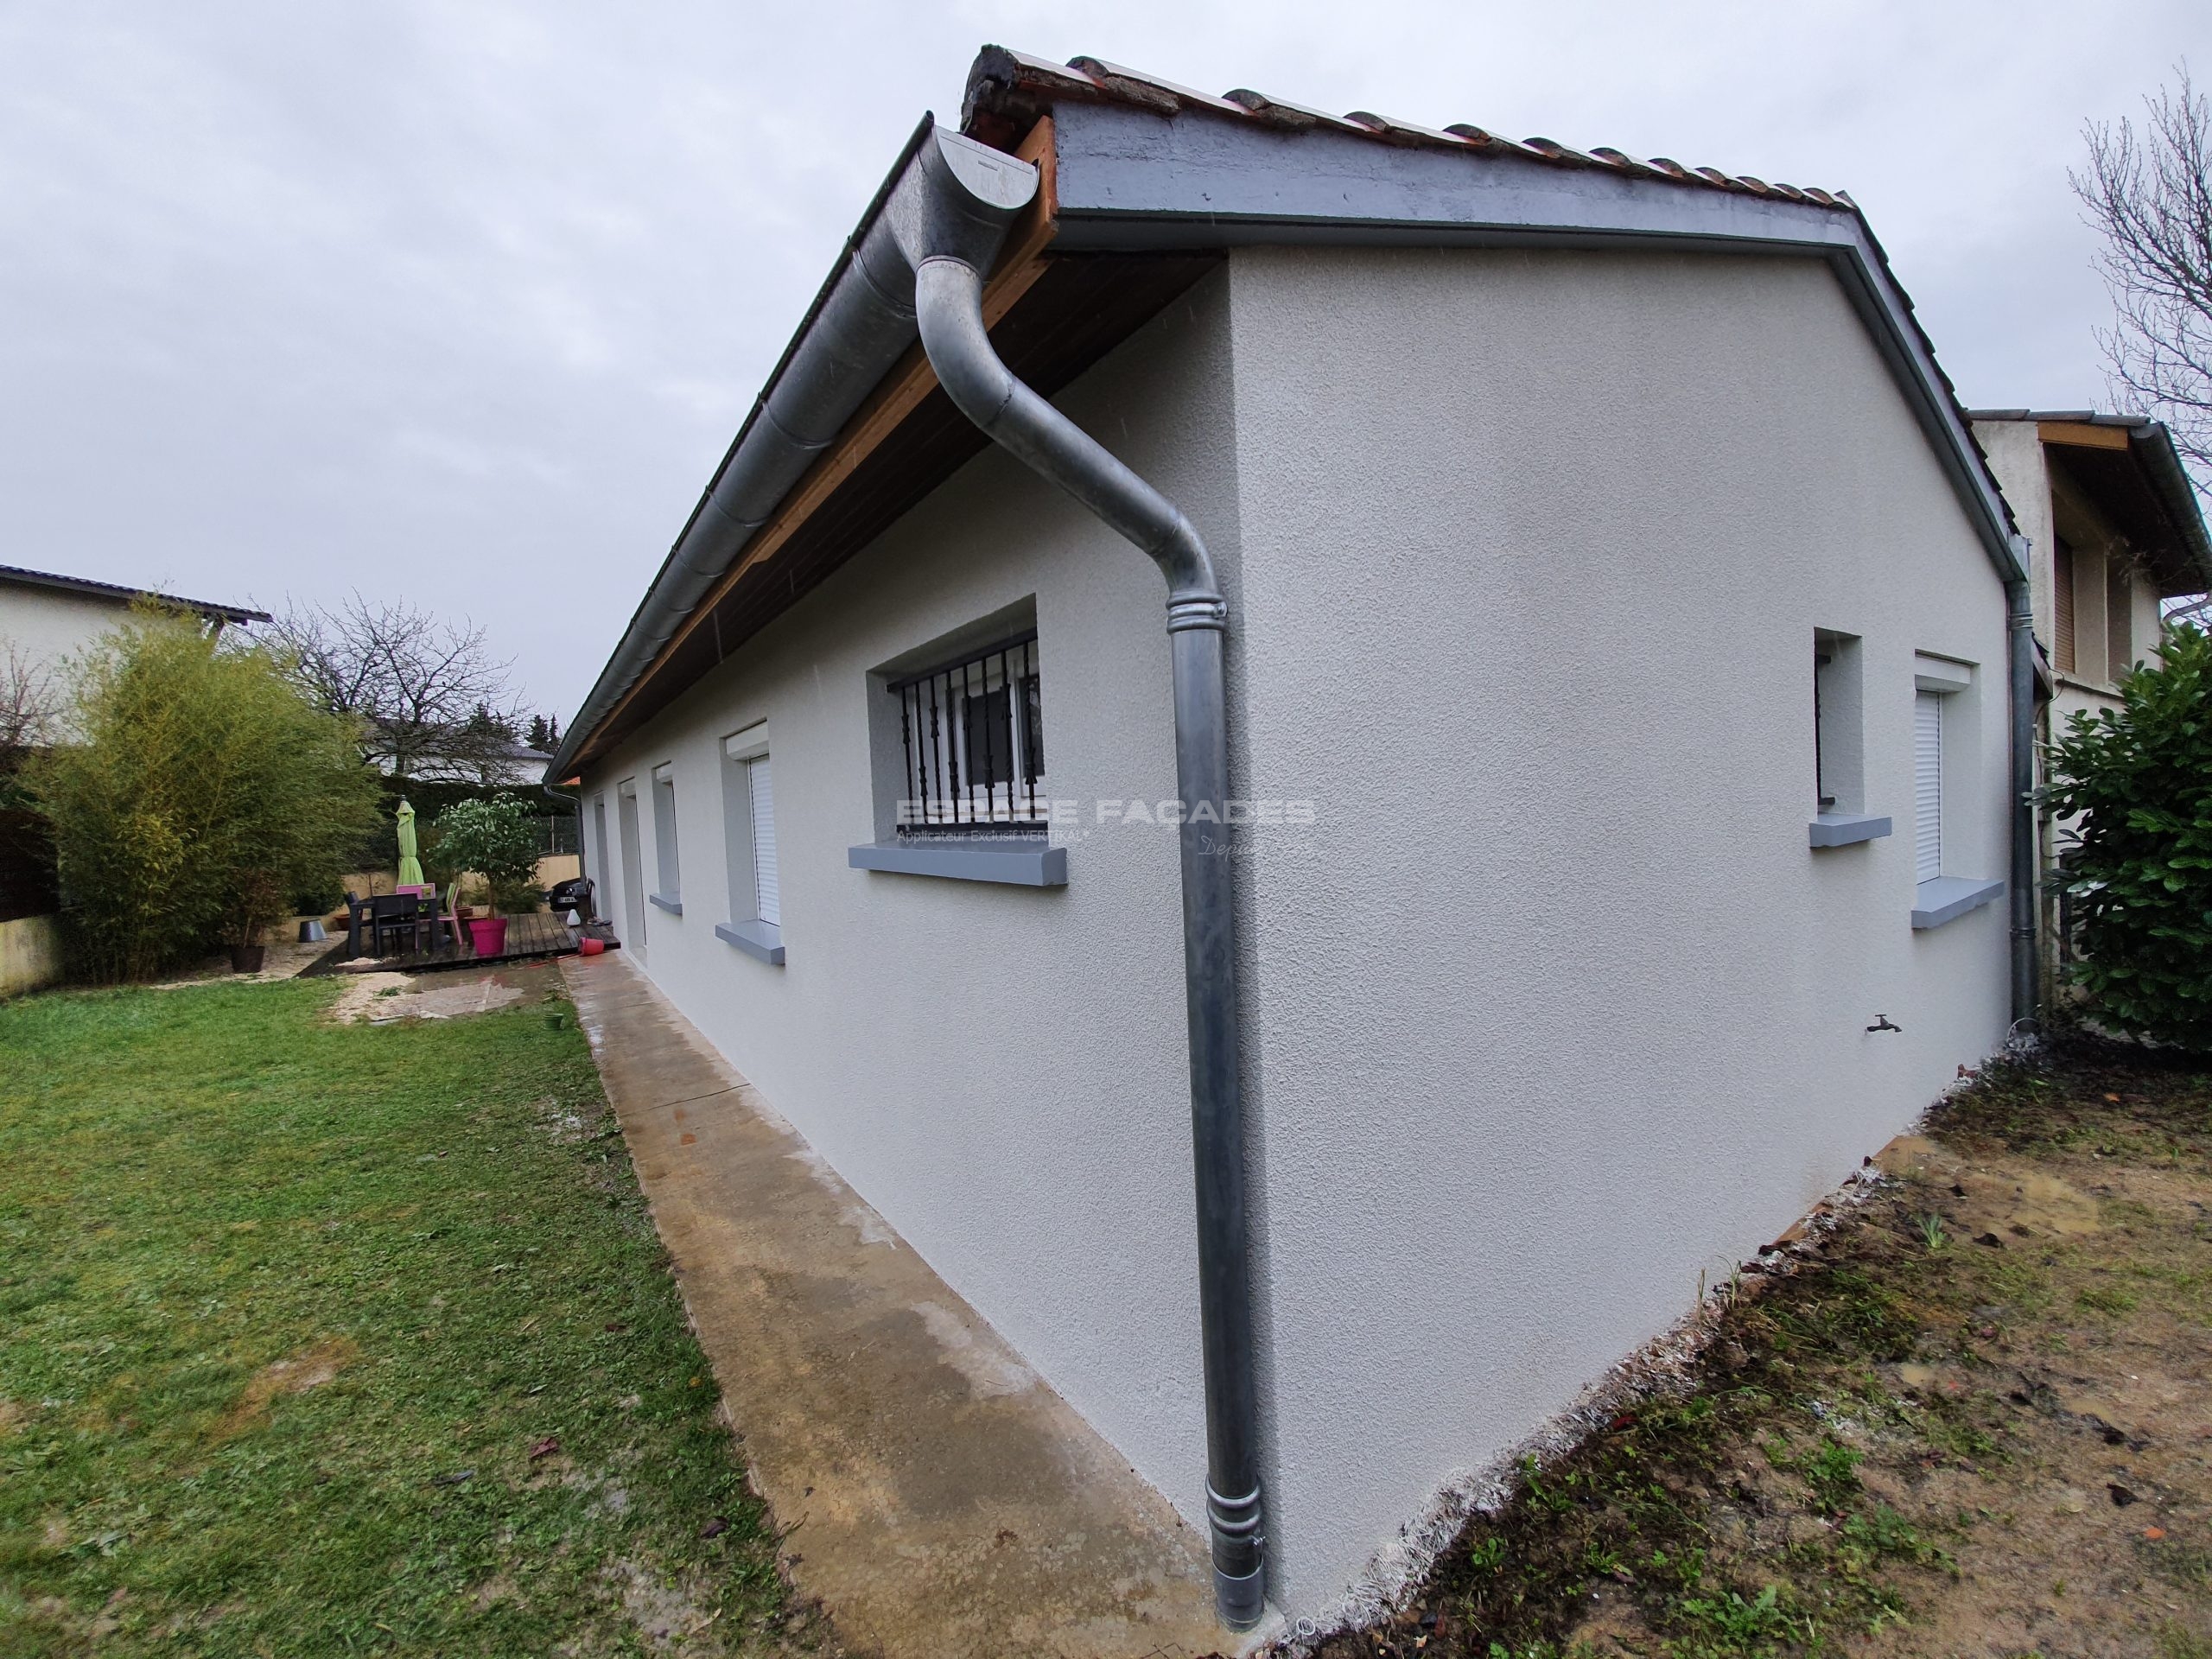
<point x="322" y="1338"/>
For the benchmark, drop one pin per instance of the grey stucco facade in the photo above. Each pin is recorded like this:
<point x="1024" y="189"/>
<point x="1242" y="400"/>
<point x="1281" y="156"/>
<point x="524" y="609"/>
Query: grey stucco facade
<point x="1550" y="1009"/>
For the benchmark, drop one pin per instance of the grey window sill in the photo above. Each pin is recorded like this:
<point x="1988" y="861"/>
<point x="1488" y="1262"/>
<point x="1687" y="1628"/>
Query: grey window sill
<point x="1950" y="897"/>
<point x="761" y="940"/>
<point x="1847" y="829"/>
<point x="673" y="906"/>
<point x="1024" y="863"/>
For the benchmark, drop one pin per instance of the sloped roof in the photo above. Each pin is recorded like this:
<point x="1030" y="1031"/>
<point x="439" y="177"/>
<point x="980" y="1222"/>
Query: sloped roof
<point x="18" y="576"/>
<point x="1144" y="184"/>
<point x="1007" y="91"/>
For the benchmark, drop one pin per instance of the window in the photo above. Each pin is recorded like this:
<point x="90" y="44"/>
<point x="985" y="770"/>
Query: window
<point x="972" y="740"/>
<point x="1839" y="814"/>
<point x="669" y="894"/>
<point x="2119" y="604"/>
<point x="1927" y="785"/>
<point x="1947" y="756"/>
<point x="2062" y="583"/>
<point x="633" y="878"/>
<point x="756" y="905"/>
<point x="602" y="870"/>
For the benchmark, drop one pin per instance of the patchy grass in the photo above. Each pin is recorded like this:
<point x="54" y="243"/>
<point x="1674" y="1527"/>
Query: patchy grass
<point x="346" y="1339"/>
<point x="1976" y="1417"/>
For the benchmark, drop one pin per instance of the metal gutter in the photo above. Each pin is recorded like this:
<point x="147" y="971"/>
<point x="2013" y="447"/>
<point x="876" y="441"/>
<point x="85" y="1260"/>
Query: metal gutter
<point x="948" y="301"/>
<point x="813" y="390"/>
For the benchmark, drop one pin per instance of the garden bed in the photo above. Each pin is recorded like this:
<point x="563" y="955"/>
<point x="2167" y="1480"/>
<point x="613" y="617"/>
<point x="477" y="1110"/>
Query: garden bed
<point x="1974" y="1415"/>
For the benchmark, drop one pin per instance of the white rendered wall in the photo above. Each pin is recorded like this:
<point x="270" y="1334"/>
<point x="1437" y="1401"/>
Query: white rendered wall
<point x="46" y="627"/>
<point x="1554" y="1010"/>
<point x="999" y="1070"/>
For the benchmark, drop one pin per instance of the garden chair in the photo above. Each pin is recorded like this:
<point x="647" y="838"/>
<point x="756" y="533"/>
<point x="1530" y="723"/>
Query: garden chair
<point x="393" y="914"/>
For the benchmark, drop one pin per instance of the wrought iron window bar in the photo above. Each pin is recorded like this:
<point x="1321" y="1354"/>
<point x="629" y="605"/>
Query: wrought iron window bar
<point x="973" y="733"/>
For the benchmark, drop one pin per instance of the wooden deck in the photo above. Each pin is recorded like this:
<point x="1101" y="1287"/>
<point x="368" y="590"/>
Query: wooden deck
<point x="528" y="938"/>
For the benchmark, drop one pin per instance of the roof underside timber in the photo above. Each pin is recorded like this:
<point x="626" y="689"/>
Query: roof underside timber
<point x="2127" y="466"/>
<point x="1145" y="187"/>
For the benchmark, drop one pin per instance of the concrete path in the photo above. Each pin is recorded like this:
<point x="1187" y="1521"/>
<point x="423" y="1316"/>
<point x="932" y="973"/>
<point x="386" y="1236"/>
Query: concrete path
<point x="946" y="1501"/>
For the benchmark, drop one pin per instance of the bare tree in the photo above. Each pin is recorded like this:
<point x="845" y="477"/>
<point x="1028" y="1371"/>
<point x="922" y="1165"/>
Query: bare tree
<point x="2150" y="193"/>
<point x="30" y="707"/>
<point x="431" y="692"/>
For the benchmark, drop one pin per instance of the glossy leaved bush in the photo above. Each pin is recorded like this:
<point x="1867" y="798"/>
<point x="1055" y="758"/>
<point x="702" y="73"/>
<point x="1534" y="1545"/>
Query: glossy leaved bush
<point x="2137" y="865"/>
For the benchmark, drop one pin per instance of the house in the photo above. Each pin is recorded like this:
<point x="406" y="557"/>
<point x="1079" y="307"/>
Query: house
<point x="46" y="620"/>
<point x="2114" y="529"/>
<point x="482" y="761"/>
<point x="1500" y="967"/>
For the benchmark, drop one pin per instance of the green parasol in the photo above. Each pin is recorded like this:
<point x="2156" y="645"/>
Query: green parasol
<point x="410" y="866"/>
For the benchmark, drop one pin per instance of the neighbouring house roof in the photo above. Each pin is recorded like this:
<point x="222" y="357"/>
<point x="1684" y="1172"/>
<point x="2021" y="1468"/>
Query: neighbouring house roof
<point x="1144" y="186"/>
<point x="15" y="576"/>
<point x="2128" y="465"/>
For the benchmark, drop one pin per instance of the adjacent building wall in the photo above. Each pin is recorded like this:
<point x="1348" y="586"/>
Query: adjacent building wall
<point x="1554" y="1016"/>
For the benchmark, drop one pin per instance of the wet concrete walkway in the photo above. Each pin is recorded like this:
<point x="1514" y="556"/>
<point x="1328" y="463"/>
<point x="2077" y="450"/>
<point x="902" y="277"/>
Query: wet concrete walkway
<point x="946" y="1503"/>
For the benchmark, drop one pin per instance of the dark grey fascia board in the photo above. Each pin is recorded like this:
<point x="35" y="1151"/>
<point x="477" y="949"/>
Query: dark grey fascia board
<point x="1016" y="862"/>
<point x="1950" y="897"/>
<point x="1129" y="180"/>
<point x="762" y="940"/>
<point x="668" y="902"/>
<point x="1847" y="829"/>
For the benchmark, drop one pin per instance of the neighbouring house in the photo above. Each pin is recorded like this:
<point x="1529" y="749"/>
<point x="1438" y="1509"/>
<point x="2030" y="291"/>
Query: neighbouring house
<point x="1566" y="814"/>
<point x="2114" y="529"/>
<point x="46" y="620"/>
<point x="502" y="764"/>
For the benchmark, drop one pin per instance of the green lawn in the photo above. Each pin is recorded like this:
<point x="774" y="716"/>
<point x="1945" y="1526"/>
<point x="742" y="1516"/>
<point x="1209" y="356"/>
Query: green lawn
<point x="321" y="1339"/>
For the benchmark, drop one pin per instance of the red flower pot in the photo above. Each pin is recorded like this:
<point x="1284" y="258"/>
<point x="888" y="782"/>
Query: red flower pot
<point x="487" y="935"/>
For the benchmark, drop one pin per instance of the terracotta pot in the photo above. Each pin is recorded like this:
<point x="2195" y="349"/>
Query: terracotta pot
<point x="487" y="935"/>
<point x="248" y="958"/>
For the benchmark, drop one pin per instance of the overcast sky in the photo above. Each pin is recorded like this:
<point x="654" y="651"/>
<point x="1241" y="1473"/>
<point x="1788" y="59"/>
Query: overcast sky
<point x="466" y="299"/>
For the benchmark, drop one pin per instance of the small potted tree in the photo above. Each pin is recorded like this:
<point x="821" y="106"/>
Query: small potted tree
<point x="496" y="839"/>
<point x="257" y="901"/>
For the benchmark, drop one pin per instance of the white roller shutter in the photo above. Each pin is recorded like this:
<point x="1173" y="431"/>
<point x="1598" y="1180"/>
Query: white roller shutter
<point x="764" y="841"/>
<point x="1927" y="784"/>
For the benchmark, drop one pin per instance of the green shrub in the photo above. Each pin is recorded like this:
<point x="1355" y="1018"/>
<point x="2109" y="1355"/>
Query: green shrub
<point x="2141" y="878"/>
<point x="495" y="837"/>
<point x="204" y="792"/>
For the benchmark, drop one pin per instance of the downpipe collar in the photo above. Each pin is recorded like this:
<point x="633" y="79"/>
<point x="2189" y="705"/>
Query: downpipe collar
<point x="1239" y="1558"/>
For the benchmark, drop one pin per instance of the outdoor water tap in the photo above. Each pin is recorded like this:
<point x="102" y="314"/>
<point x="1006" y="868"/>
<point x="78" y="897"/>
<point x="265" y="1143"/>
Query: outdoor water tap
<point x="1882" y="1023"/>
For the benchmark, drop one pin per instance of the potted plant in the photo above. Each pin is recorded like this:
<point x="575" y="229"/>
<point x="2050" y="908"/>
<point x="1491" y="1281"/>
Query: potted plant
<point x="259" y="900"/>
<point x="497" y="839"/>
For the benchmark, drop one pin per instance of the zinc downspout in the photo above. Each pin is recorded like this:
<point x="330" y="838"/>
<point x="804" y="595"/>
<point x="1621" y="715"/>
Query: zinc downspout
<point x="948" y="307"/>
<point x="2020" y="662"/>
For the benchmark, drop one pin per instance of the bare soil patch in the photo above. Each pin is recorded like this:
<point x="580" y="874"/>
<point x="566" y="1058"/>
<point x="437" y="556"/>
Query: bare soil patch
<point x="1969" y="1415"/>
